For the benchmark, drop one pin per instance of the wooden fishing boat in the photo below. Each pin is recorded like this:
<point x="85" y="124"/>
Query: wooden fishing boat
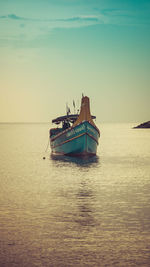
<point x="78" y="135"/>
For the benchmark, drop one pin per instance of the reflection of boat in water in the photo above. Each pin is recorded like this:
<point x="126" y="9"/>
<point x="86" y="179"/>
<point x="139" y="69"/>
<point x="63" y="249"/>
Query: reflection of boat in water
<point x="83" y="162"/>
<point x="78" y="135"/>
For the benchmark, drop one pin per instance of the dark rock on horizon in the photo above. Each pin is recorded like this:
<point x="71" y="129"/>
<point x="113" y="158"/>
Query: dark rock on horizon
<point x="143" y="125"/>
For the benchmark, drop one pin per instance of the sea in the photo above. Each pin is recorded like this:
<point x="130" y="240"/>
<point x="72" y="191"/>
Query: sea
<point x="63" y="211"/>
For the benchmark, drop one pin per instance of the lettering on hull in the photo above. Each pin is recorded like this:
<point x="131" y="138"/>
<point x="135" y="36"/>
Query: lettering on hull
<point x="76" y="130"/>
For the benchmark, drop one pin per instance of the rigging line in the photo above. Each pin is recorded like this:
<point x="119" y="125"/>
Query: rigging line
<point x="47" y="145"/>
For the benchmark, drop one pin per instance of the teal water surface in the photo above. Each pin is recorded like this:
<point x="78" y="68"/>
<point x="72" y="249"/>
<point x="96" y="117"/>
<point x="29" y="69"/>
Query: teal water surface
<point x="65" y="211"/>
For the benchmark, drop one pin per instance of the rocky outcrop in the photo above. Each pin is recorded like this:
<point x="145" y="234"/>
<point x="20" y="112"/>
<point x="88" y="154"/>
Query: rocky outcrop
<point x="143" y="125"/>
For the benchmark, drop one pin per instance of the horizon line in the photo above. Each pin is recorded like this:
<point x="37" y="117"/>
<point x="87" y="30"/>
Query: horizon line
<point x="40" y="122"/>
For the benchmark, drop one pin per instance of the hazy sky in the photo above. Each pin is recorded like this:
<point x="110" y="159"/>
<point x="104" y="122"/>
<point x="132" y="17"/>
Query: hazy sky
<point x="53" y="50"/>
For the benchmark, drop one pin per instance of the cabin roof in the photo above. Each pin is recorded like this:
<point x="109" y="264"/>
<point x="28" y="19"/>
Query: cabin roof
<point x="72" y="118"/>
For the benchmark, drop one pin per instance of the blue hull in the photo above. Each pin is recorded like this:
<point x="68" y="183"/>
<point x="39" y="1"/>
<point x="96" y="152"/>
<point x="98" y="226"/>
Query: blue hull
<point x="76" y="141"/>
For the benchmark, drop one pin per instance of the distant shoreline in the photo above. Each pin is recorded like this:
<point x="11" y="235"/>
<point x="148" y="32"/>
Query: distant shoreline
<point x="144" y="125"/>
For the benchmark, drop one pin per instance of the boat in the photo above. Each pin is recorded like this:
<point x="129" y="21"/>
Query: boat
<point x="78" y="134"/>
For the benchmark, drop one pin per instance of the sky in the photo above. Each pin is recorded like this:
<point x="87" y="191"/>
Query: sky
<point x="52" y="51"/>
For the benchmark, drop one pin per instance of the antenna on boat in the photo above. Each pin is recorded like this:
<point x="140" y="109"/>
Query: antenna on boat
<point x="74" y="106"/>
<point x="67" y="109"/>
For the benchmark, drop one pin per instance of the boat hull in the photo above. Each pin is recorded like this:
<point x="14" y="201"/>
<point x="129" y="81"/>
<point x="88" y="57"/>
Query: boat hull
<point x="80" y="140"/>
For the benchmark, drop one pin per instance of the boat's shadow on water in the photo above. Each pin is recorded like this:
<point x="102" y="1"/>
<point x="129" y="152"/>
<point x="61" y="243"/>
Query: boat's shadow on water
<point x="85" y="161"/>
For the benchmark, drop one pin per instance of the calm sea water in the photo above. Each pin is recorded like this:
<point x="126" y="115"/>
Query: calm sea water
<point x="74" y="212"/>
